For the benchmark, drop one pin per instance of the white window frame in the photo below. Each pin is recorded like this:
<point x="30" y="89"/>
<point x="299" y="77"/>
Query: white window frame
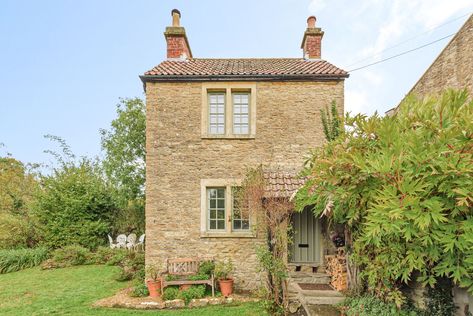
<point x="240" y="117"/>
<point x="229" y="89"/>
<point x="205" y="230"/>
<point x="217" y="114"/>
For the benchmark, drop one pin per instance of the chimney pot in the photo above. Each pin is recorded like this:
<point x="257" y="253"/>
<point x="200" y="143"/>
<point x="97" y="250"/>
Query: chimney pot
<point x="311" y="22"/>
<point x="176" y="17"/>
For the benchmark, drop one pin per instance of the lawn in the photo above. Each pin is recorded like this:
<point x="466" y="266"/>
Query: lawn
<point x="71" y="291"/>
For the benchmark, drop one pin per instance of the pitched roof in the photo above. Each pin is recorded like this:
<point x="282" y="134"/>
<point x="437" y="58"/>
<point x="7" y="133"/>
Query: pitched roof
<point x="282" y="184"/>
<point x="245" y="68"/>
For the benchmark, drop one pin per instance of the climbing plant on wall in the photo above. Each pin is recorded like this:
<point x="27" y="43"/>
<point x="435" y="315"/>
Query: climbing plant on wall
<point x="403" y="185"/>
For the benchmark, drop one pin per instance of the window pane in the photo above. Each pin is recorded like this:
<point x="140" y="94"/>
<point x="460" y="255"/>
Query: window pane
<point x="236" y="224"/>
<point x="216" y="113"/>
<point x="240" y="216"/>
<point x="241" y="113"/>
<point x="216" y="208"/>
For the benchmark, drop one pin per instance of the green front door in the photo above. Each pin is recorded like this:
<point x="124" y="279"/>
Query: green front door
<point x="306" y="247"/>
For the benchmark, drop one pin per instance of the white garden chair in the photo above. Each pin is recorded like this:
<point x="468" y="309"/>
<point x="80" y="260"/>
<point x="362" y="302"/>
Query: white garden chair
<point x="140" y="243"/>
<point x="121" y="241"/>
<point x="131" y="241"/>
<point x="110" y="240"/>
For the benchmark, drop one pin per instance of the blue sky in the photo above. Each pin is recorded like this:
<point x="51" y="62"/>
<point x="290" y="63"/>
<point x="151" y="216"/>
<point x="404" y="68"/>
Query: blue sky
<point x="64" y="64"/>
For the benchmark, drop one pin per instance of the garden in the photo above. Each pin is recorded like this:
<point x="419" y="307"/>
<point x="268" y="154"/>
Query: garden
<point x="396" y="189"/>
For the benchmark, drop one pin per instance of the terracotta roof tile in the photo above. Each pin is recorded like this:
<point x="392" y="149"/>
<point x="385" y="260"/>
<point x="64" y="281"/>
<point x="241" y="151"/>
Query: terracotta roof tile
<point x="250" y="67"/>
<point x="281" y="183"/>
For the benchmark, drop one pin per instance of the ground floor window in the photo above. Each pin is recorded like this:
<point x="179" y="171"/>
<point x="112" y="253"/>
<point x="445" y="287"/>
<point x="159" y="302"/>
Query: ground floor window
<point x="222" y="212"/>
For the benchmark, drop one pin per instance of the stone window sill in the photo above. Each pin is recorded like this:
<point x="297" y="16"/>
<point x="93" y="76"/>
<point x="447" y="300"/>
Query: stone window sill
<point x="227" y="235"/>
<point x="206" y="136"/>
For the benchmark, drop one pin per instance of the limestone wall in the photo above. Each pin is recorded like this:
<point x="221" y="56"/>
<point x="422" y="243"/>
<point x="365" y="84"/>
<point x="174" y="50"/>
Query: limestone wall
<point x="287" y="126"/>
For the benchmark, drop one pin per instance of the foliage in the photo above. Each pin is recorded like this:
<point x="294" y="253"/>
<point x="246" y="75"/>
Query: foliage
<point x="194" y="292"/>
<point x="402" y="184"/>
<point x="72" y="291"/>
<point x="75" y="205"/>
<point x="72" y="255"/>
<point x="170" y="293"/>
<point x="109" y="256"/>
<point x="439" y="299"/>
<point x="132" y="267"/>
<point x="18" y="184"/>
<point x="140" y="290"/>
<point x="197" y="277"/>
<point x="206" y="268"/>
<point x="331" y="121"/>
<point x="370" y="305"/>
<point x="223" y="269"/>
<point x="18" y="259"/>
<point x="273" y="216"/>
<point x="125" y="148"/>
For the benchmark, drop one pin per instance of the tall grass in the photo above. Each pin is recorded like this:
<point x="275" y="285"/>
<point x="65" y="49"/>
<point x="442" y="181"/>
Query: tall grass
<point x="18" y="259"/>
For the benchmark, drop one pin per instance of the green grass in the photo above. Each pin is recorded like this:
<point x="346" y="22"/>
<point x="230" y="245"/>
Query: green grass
<point x="71" y="291"/>
<point x="18" y="259"/>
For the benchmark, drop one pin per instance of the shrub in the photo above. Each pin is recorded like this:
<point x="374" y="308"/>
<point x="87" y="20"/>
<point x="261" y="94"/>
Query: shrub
<point x="75" y="206"/>
<point x="170" y="293"/>
<point x="18" y="259"/>
<point x="72" y="255"/>
<point x="223" y="269"/>
<point x="132" y="267"/>
<point x="439" y="299"/>
<point x="140" y="290"/>
<point x="194" y="292"/>
<point x="108" y="256"/>
<point x="16" y="231"/>
<point x="206" y="268"/>
<point x="197" y="277"/>
<point x="369" y="305"/>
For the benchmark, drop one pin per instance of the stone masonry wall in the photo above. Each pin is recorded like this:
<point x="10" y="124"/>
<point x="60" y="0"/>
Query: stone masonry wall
<point x="454" y="66"/>
<point x="288" y="125"/>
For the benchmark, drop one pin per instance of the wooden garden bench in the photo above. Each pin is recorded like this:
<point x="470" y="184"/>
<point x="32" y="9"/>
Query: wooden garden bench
<point x="182" y="268"/>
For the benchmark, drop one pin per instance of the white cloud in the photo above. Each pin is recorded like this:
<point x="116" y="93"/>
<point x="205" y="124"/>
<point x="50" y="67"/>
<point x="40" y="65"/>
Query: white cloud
<point x="316" y="6"/>
<point x="355" y="101"/>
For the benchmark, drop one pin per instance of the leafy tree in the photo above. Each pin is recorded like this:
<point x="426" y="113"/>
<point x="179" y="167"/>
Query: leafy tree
<point x="331" y="121"/>
<point x="403" y="185"/>
<point x="75" y="206"/>
<point x="125" y="148"/>
<point x="17" y="187"/>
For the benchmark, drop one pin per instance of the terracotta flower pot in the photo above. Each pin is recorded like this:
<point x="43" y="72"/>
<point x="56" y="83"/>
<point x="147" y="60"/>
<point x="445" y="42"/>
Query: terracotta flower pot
<point x="226" y="286"/>
<point x="154" y="288"/>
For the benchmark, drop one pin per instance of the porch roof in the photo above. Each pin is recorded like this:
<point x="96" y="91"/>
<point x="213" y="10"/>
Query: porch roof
<point x="282" y="184"/>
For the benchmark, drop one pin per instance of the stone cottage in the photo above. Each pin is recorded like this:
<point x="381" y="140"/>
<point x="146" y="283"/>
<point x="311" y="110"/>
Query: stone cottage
<point x="208" y="120"/>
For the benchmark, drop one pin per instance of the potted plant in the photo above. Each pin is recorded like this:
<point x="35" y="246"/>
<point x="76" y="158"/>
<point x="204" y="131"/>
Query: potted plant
<point x="153" y="282"/>
<point x="222" y="273"/>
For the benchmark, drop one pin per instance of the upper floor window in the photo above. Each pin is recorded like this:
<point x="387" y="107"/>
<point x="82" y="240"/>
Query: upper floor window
<point x="241" y="113"/>
<point x="229" y="110"/>
<point x="217" y="113"/>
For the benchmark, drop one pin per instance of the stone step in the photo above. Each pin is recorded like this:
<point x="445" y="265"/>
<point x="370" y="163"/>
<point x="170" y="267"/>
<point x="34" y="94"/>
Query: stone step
<point x="321" y="293"/>
<point x="317" y="278"/>
<point x="323" y="300"/>
<point x="322" y="310"/>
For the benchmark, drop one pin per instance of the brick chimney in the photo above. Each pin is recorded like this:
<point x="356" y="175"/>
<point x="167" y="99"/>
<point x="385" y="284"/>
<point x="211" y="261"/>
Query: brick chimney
<point x="176" y="39"/>
<point x="312" y="41"/>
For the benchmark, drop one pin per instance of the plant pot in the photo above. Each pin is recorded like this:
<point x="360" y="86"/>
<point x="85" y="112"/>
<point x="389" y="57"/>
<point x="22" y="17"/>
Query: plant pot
<point x="226" y="286"/>
<point x="184" y="287"/>
<point x="154" y="288"/>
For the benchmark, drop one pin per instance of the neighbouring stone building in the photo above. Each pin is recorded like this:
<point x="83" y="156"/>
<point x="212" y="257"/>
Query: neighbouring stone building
<point x="453" y="68"/>
<point x="208" y="120"/>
